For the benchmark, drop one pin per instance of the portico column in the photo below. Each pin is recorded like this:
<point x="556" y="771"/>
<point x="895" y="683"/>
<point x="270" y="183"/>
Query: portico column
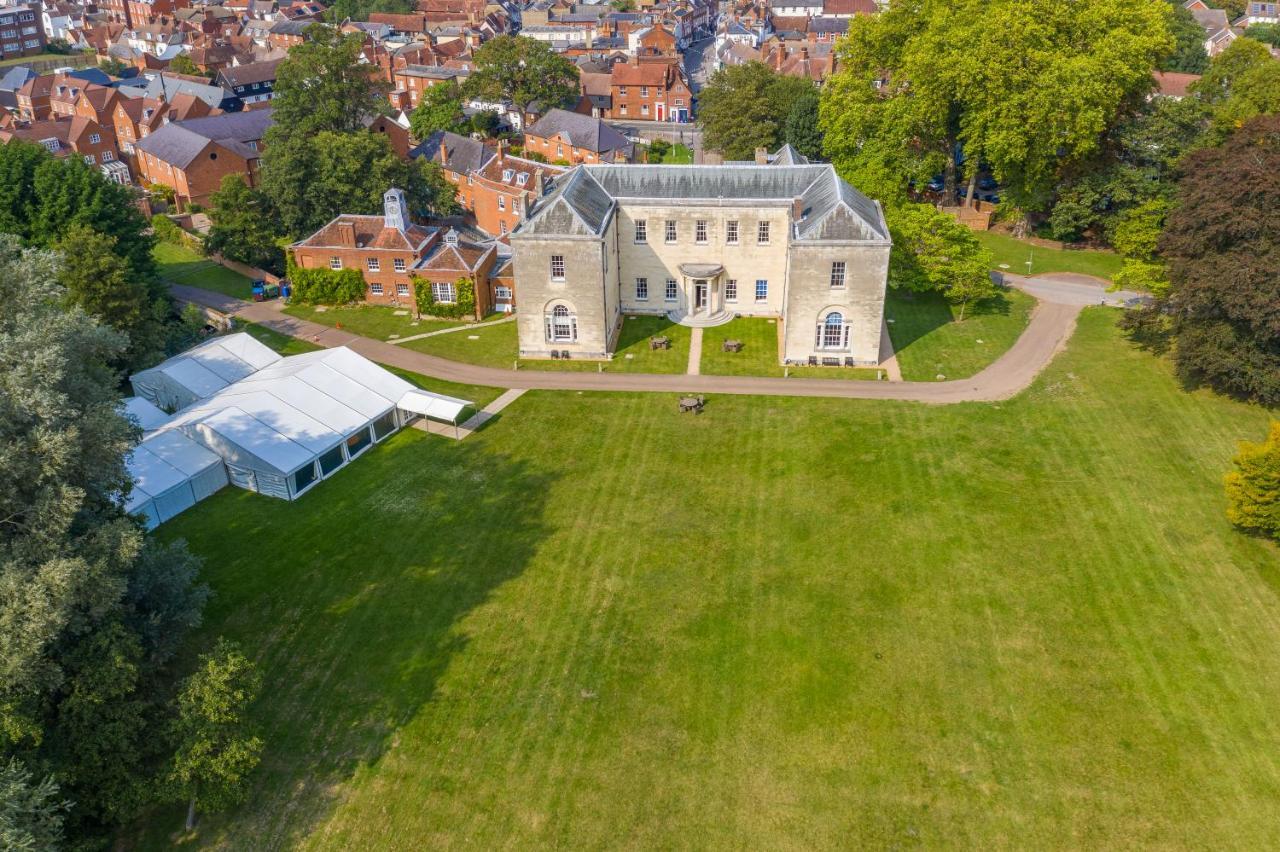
<point x="689" y="294"/>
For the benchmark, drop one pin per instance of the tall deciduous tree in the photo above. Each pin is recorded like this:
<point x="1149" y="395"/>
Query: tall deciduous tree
<point x="215" y="745"/>
<point x="1220" y="243"/>
<point x="324" y="86"/>
<point x="744" y="107"/>
<point x="932" y="251"/>
<point x="523" y="70"/>
<point x="79" y="680"/>
<point x="1023" y="85"/>
<point x="1188" y="56"/>
<point x="439" y="109"/>
<point x="311" y="180"/>
<point x="241" y="226"/>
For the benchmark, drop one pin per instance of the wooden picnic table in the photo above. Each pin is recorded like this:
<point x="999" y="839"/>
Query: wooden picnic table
<point x="691" y="403"/>
<point x="732" y="345"/>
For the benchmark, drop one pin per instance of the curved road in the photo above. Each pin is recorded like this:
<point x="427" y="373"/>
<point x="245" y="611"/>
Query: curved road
<point x="1051" y="325"/>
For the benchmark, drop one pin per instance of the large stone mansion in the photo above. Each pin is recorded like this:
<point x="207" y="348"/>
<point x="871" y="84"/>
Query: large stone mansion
<point x="703" y="244"/>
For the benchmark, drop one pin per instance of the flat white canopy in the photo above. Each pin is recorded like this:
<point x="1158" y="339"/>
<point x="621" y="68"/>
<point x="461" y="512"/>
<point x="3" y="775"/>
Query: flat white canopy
<point x="148" y="415"/>
<point x="434" y="405"/>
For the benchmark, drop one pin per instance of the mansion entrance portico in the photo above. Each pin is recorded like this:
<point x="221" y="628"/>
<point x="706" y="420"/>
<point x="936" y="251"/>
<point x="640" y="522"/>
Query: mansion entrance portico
<point x="701" y="296"/>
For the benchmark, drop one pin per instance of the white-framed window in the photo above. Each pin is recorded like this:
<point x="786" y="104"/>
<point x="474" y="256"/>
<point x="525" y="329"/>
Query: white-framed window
<point x="837" y="274"/>
<point x="373" y="264"/>
<point x="443" y="292"/>
<point x="94" y="139"/>
<point x="642" y="231"/>
<point x="731" y="290"/>
<point x="398" y="264"/>
<point x="622" y="110"/>
<point x="402" y="289"/>
<point x="642" y="289"/>
<point x="88" y="158"/>
<point x="375" y="289"/>
<point x="670" y="233"/>
<point x="502" y="228"/>
<point x="107" y="156"/>
<point x="557" y="267"/>
<point x="731" y="232"/>
<point x="833" y="332"/>
<point x="700" y="232"/>
<point x="762" y="290"/>
<point x="644" y="109"/>
<point x="670" y="293"/>
<point x="561" y="325"/>
<point x="762" y="233"/>
<point x="502" y="202"/>
<point x="335" y="262"/>
<point x="502" y="294"/>
<point x="515" y="203"/>
<point x="644" y="91"/>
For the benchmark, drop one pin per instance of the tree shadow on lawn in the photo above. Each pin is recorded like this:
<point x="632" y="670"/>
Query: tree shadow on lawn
<point x="351" y="601"/>
<point x="916" y="315"/>
<point x="641" y="328"/>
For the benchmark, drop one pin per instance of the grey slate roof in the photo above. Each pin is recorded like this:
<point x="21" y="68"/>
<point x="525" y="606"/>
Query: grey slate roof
<point x="788" y="156"/>
<point x="583" y="131"/>
<point x="178" y="142"/>
<point x="582" y="201"/>
<point x="465" y="154"/>
<point x="166" y="87"/>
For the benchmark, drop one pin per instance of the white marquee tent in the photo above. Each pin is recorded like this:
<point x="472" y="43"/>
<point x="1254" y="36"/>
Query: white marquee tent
<point x="148" y="416"/>
<point x="170" y="473"/>
<point x="289" y="425"/>
<point x="202" y="371"/>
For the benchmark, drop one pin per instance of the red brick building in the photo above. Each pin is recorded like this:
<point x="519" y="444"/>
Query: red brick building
<point x="21" y="31"/>
<point x="390" y="252"/>
<point x="66" y="137"/>
<point x="574" y="138"/>
<point x="194" y="156"/>
<point x="650" y="90"/>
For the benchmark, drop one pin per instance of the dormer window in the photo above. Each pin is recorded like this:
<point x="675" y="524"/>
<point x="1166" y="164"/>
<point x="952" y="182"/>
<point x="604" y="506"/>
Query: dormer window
<point x="522" y="179"/>
<point x="507" y="175"/>
<point x="451" y="238"/>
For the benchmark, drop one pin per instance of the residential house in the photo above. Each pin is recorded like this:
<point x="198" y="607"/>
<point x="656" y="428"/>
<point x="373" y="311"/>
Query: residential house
<point x="650" y="90"/>
<point x="252" y="82"/>
<point x="65" y="137"/>
<point x="574" y="138"/>
<point x="193" y="156"/>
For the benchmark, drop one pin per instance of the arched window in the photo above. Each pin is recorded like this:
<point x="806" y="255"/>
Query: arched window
<point x="561" y="325"/>
<point x="831" y="332"/>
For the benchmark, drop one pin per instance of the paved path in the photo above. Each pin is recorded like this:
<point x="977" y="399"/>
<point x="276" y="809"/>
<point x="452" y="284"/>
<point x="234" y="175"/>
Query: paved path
<point x="695" y="352"/>
<point x="1052" y="323"/>
<point x="467" y="326"/>
<point x="888" y="358"/>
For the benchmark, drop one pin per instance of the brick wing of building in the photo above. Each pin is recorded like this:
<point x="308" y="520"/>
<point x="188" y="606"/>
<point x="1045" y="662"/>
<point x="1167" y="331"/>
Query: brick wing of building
<point x="576" y="139"/>
<point x="649" y="90"/>
<point x="703" y="244"/>
<point x="390" y="252"/>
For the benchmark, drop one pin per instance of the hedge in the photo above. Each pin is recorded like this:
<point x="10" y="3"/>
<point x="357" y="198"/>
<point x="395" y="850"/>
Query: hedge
<point x="464" y="307"/>
<point x="326" y="286"/>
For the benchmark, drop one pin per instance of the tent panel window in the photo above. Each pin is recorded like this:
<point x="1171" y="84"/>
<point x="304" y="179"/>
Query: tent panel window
<point x="384" y="425"/>
<point x="303" y="478"/>
<point x="358" y="443"/>
<point x="331" y="461"/>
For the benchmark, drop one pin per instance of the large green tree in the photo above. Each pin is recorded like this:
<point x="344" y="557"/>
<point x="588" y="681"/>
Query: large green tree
<point x="1026" y="86"/>
<point x="324" y="86"/>
<point x="241" y="225"/>
<point x="524" y="71"/>
<point x="934" y="252"/>
<point x="309" y="180"/>
<point x="216" y="748"/>
<point x="1219" y="244"/>
<point x="31" y="811"/>
<point x="1188" y="56"/>
<point x="745" y="107"/>
<point x="439" y="109"/>
<point x="79" y="679"/>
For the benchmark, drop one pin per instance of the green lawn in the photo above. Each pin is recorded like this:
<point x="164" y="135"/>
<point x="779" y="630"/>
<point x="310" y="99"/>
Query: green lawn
<point x="929" y="342"/>
<point x="66" y="59"/>
<point x="759" y="355"/>
<point x="633" y="354"/>
<point x="493" y="346"/>
<point x="1015" y="253"/>
<point x="481" y="395"/>
<point x="678" y="155"/>
<point x="181" y="265"/>
<point x="377" y="321"/>
<point x="785" y="623"/>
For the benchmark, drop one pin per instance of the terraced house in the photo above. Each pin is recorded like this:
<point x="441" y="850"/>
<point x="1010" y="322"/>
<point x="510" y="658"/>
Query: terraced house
<point x="703" y="244"/>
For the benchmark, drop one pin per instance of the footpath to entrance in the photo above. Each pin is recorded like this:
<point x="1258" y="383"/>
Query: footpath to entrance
<point x="1051" y="325"/>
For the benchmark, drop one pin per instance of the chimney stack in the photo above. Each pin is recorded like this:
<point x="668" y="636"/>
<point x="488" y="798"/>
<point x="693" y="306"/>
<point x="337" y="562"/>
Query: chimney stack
<point x="762" y="156"/>
<point x="444" y="154"/>
<point x="346" y="234"/>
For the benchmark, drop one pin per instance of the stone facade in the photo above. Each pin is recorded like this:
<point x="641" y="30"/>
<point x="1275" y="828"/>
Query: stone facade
<point x="701" y="244"/>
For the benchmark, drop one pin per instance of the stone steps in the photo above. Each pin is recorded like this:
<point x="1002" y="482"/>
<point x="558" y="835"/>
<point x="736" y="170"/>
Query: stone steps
<point x="700" y="320"/>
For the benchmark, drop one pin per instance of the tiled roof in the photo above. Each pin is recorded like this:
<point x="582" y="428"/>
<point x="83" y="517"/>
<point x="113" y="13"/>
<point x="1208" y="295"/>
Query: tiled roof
<point x="465" y="154"/>
<point x="583" y="131"/>
<point x="370" y="232"/>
